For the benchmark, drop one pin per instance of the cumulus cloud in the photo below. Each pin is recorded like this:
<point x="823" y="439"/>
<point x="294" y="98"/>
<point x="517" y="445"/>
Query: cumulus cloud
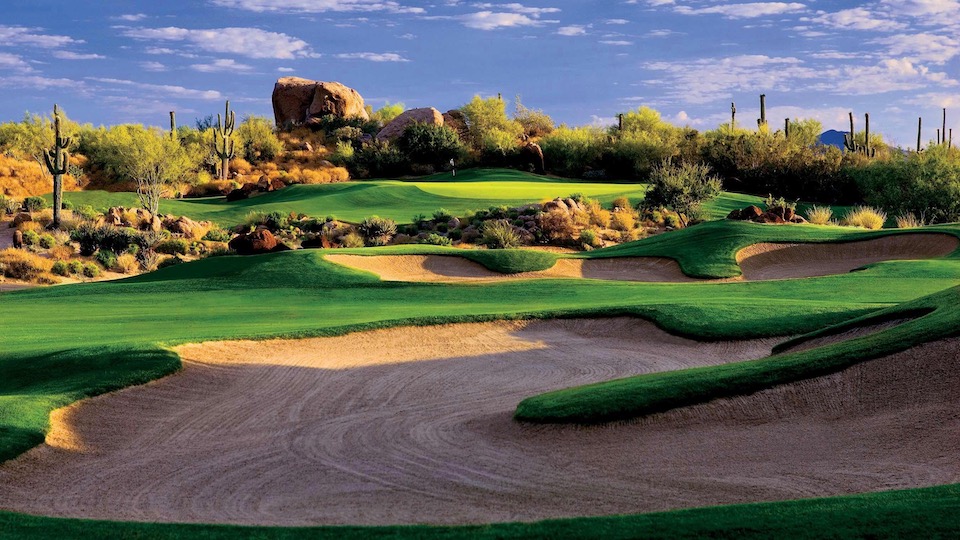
<point x="922" y="47"/>
<point x="68" y="55"/>
<point x="22" y="35"/>
<point x="744" y="11"/>
<point x="13" y="61"/>
<point x="572" y="30"/>
<point x="317" y="6"/>
<point x="710" y="79"/>
<point x="131" y="17"/>
<point x="153" y="66"/>
<point x="250" y="42"/>
<point x="490" y="20"/>
<point x="856" y="19"/>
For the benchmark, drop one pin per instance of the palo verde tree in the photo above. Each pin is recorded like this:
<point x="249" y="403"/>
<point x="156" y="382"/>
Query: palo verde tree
<point x="682" y="188"/>
<point x="223" y="145"/>
<point x="56" y="159"/>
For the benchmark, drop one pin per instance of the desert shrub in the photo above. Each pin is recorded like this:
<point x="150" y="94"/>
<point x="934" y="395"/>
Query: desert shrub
<point x="75" y="266"/>
<point x="217" y="235"/>
<point x="866" y="217"/>
<point x="91" y="270"/>
<point x="46" y="241"/>
<point x="173" y="246"/>
<point x="106" y="258"/>
<point x="489" y="126"/>
<point x="379" y="159"/>
<point x="60" y="268"/>
<point x="621" y="203"/>
<point x="499" y="234"/>
<point x="119" y="239"/>
<point x="672" y="220"/>
<point x="819" y="215"/>
<point x="557" y="226"/>
<point x="23" y="265"/>
<point x="623" y="221"/>
<point x="168" y="262"/>
<point x="61" y="252"/>
<point x="352" y="240"/>
<point x="429" y="144"/>
<point x="571" y="151"/>
<point x="34" y="204"/>
<point x="388" y="112"/>
<point x="126" y="264"/>
<point x="589" y="237"/>
<point x="256" y="140"/>
<point x="343" y="153"/>
<point x="31" y="238"/>
<point x="436" y="240"/>
<point x="149" y="260"/>
<point x="599" y="216"/>
<point x="86" y="212"/>
<point x="442" y="215"/>
<point x="682" y="188"/>
<point x="347" y="133"/>
<point x="377" y="231"/>
<point x="535" y="123"/>
<point x="909" y="221"/>
<point x="9" y="205"/>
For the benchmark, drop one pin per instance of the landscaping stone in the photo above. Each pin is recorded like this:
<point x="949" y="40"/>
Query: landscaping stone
<point x="256" y="242"/>
<point x="22" y="217"/>
<point x="395" y="128"/>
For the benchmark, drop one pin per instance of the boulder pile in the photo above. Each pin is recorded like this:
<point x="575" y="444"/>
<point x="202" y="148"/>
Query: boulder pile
<point x="395" y="127"/>
<point x="304" y="101"/>
<point x="778" y="214"/>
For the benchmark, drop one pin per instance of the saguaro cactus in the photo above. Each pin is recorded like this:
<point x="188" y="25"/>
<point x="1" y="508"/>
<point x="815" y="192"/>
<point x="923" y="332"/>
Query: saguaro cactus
<point x="57" y="159"/>
<point x="173" y="125"/>
<point x="786" y="128"/>
<point x="919" y="132"/>
<point x="943" y="137"/>
<point x="733" y="116"/>
<point x="223" y="140"/>
<point x="850" y="141"/>
<point x="762" y="121"/>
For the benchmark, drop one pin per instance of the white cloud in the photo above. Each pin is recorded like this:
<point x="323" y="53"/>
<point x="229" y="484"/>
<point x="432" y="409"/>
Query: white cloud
<point x="162" y="89"/>
<point x="489" y="20"/>
<point x="616" y="42"/>
<point x="616" y="21"/>
<point x="250" y="42"/>
<point x="222" y="64"/>
<point x="921" y="47"/>
<point x="153" y="66"/>
<point x="13" y="61"/>
<point x="711" y="79"/>
<point x="372" y="57"/>
<point x="744" y="11"/>
<point x="285" y="69"/>
<point x="856" y="19"/>
<point x="317" y="6"/>
<point x="22" y="35"/>
<point x="517" y="8"/>
<point x="68" y="55"/>
<point x="131" y="17"/>
<point x="888" y="76"/>
<point x="572" y="30"/>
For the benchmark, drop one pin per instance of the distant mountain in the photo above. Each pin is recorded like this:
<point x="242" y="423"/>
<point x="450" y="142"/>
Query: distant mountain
<point x="833" y="138"/>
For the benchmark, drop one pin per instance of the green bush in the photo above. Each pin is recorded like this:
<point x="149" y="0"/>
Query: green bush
<point x="60" y="268"/>
<point x="682" y="188"/>
<point x="499" y="234"/>
<point x="75" y="266"/>
<point x="570" y="151"/>
<point x="429" y="144"/>
<point x="86" y="212"/>
<point x="34" y="204"/>
<point x="535" y="122"/>
<point x="256" y="140"/>
<point x="589" y="237"/>
<point x="47" y="241"/>
<point x="489" y="126"/>
<point x="377" y="231"/>
<point x="106" y="258"/>
<point x="173" y="246"/>
<point x="91" y="270"/>
<point x="9" y="205"/>
<point x="379" y="159"/>
<point x="217" y="235"/>
<point x="436" y="240"/>
<point x="169" y="261"/>
<point x="31" y="238"/>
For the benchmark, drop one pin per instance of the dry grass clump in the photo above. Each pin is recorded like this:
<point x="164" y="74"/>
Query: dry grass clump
<point x="25" y="266"/>
<point x="325" y="175"/>
<point x="557" y="225"/>
<point x="599" y="216"/>
<point x="126" y="264"/>
<point x="24" y="178"/>
<point x="623" y="221"/>
<point x="819" y="215"/>
<point x="61" y="252"/>
<point x="866" y="217"/>
<point x="909" y="221"/>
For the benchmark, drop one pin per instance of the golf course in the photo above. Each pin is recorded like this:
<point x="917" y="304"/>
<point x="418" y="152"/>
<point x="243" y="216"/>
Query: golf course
<point x="727" y="379"/>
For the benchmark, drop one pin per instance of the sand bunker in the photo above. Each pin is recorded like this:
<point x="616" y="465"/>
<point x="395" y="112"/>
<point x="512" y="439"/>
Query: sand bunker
<point x="447" y="269"/>
<point x="786" y="261"/>
<point x="413" y="425"/>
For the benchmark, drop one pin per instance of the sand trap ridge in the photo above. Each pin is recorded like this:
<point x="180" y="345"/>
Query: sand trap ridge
<point x="441" y="268"/>
<point x="413" y="425"/>
<point x="787" y="261"/>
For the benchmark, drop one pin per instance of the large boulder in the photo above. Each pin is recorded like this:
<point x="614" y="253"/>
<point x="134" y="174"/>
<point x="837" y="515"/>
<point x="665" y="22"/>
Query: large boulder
<point x="457" y="121"/>
<point x="256" y="242"/>
<point x="531" y="157"/>
<point x="185" y="226"/>
<point x="395" y="127"/>
<point x="297" y="100"/>
<point x="22" y="217"/>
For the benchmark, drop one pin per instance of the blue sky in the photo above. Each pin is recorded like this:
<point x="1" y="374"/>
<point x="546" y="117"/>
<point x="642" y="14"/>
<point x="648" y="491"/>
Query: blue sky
<point x="580" y="61"/>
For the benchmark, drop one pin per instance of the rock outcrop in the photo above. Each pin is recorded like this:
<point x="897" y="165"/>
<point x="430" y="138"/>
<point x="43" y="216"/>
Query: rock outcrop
<point x="298" y="101"/>
<point x="455" y="120"/>
<point x="395" y="127"/>
<point x="256" y="242"/>
<point x="531" y="157"/>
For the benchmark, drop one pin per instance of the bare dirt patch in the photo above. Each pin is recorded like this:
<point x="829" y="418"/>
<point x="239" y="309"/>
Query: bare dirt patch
<point x="413" y="425"/>
<point x="787" y="261"/>
<point x="448" y="269"/>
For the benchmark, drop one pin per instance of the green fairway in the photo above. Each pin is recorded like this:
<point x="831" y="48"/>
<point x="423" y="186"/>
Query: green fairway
<point x="396" y="199"/>
<point x="70" y="342"/>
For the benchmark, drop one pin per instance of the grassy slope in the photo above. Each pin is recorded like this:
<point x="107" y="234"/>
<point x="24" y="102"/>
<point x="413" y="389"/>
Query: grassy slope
<point x="398" y="200"/>
<point x="57" y="359"/>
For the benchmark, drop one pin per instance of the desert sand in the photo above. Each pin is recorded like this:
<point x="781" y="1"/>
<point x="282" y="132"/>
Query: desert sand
<point x="413" y="425"/>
